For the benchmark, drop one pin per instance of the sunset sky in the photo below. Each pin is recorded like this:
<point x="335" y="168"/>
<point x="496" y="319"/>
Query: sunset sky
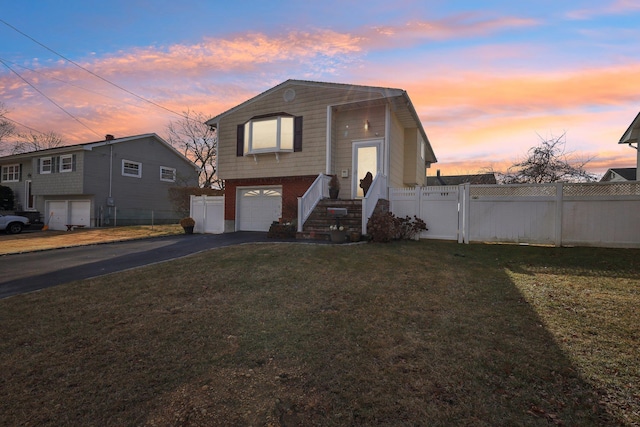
<point x="488" y="79"/>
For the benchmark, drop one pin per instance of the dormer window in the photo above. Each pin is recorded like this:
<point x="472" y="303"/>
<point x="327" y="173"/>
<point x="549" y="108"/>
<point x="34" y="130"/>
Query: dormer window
<point x="275" y="133"/>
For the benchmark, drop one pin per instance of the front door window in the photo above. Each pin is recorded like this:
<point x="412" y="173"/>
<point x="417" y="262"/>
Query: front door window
<point x="366" y="159"/>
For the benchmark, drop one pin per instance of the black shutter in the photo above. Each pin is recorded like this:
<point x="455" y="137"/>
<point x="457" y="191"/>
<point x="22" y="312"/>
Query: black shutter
<point x="240" y="141"/>
<point x="38" y="167"/>
<point x="73" y="162"/>
<point x="20" y="172"/>
<point x="297" y="133"/>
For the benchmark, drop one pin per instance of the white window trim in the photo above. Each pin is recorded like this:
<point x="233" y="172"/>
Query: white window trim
<point x="15" y="174"/>
<point x="248" y="136"/>
<point x="62" y="158"/>
<point x="42" y="170"/>
<point x="167" y="169"/>
<point x="138" y="175"/>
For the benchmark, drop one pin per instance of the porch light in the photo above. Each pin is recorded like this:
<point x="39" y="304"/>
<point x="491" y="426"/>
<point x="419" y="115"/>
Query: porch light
<point x="366" y="125"/>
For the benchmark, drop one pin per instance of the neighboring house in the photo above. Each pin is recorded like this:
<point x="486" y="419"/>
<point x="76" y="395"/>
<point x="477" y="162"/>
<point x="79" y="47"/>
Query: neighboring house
<point x="118" y="180"/>
<point x="619" y="174"/>
<point x="273" y="147"/>
<point x="630" y="137"/>
<point x="483" y="178"/>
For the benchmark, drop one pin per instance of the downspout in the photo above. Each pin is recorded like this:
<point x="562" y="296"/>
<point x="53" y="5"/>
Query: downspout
<point x="637" y="162"/>
<point x="110" y="169"/>
<point x="387" y="147"/>
<point x="328" y="144"/>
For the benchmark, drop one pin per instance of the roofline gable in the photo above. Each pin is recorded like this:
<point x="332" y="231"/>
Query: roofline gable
<point x="626" y="136"/>
<point x="88" y="146"/>
<point x="384" y="93"/>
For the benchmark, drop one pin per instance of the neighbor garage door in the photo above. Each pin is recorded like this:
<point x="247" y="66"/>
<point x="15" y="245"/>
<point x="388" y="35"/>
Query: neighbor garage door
<point x="258" y="208"/>
<point x="63" y="212"/>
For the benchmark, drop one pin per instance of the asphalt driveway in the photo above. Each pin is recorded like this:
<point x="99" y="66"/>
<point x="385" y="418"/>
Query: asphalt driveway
<point x="21" y="273"/>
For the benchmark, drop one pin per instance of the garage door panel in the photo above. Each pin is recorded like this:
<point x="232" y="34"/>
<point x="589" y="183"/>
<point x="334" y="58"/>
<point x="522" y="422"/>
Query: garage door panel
<point x="57" y="216"/>
<point x="258" y="208"/>
<point x="80" y="212"/>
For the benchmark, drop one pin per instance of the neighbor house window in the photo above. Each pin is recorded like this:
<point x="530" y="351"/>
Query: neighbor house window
<point x="46" y="165"/>
<point x="11" y="173"/>
<point x="66" y="163"/>
<point x="131" y="168"/>
<point x="167" y="174"/>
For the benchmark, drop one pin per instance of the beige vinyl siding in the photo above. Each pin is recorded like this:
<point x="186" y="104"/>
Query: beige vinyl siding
<point x="311" y="103"/>
<point x="414" y="167"/>
<point x="342" y="148"/>
<point x="396" y="160"/>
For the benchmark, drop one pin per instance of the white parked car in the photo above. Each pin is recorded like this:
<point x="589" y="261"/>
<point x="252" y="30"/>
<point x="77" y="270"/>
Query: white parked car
<point x="13" y="224"/>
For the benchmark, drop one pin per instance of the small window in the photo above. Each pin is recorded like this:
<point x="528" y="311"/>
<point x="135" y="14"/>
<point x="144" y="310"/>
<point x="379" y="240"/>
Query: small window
<point x="46" y="165"/>
<point x="11" y="173"/>
<point x="130" y="168"/>
<point x="167" y="174"/>
<point x="66" y="163"/>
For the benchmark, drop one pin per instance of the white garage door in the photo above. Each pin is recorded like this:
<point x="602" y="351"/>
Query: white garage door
<point x="63" y="212"/>
<point x="258" y="208"/>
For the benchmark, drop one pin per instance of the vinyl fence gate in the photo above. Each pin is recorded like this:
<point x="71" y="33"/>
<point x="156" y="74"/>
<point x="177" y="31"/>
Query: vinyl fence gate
<point x="561" y="214"/>
<point x="208" y="212"/>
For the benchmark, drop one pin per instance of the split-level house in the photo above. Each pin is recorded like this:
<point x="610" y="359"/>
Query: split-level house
<point x="117" y="181"/>
<point x="277" y="151"/>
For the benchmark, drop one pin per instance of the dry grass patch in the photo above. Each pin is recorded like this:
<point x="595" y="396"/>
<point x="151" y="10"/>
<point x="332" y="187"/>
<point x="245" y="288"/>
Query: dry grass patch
<point x="409" y="333"/>
<point x="37" y="241"/>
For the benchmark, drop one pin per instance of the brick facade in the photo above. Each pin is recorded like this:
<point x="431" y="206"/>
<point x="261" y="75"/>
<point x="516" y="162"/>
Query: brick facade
<point x="292" y="188"/>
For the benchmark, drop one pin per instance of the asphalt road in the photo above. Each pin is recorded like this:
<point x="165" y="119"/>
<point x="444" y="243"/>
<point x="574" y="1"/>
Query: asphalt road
<point x="22" y="273"/>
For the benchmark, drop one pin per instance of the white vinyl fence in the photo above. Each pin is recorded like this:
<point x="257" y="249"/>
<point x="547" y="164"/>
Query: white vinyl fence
<point x="208" y="212"/>
<point x="594" y="214"/>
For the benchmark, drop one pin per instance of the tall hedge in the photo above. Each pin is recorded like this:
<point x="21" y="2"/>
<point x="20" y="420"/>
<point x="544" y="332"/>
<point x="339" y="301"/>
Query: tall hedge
<point x="6" y="198"/>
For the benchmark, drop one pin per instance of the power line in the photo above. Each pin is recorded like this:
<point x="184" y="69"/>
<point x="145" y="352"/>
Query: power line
<point x="50" y="100"/>
<point x="89" y="71"/>
<point x="24" y="126"/>
<point x="68" y="83"/>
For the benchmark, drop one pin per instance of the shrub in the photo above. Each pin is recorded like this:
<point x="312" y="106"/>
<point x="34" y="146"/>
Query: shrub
<point x="410" y="228"/>
<point x="187" y="222"/>
<point x="385" y="226"/>
<point x="6" y="198"/>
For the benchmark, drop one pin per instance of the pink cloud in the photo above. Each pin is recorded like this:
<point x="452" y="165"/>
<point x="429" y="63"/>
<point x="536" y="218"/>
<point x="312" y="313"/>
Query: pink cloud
<point x="614" y="8"/>
<point x="455" y="27"/>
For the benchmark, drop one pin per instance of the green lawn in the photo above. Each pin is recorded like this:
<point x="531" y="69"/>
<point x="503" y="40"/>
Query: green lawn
<point x="407" y="333"/>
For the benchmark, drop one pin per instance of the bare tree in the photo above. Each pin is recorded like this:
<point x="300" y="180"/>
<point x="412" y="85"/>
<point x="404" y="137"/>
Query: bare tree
<point x="33" y="141"/>
<point x="198" y="142"/>
<point x="548" y="162"/>
<point x="6" y="127"/>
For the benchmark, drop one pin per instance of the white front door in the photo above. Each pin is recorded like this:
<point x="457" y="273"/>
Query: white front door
<point x="258" y="207"/>
<point x="367" y="157"/>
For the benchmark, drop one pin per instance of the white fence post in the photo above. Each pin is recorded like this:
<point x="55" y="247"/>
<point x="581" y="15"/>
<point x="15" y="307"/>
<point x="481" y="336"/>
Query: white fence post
<point x="558" y="218"/>
<point x="463" y="213"/>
